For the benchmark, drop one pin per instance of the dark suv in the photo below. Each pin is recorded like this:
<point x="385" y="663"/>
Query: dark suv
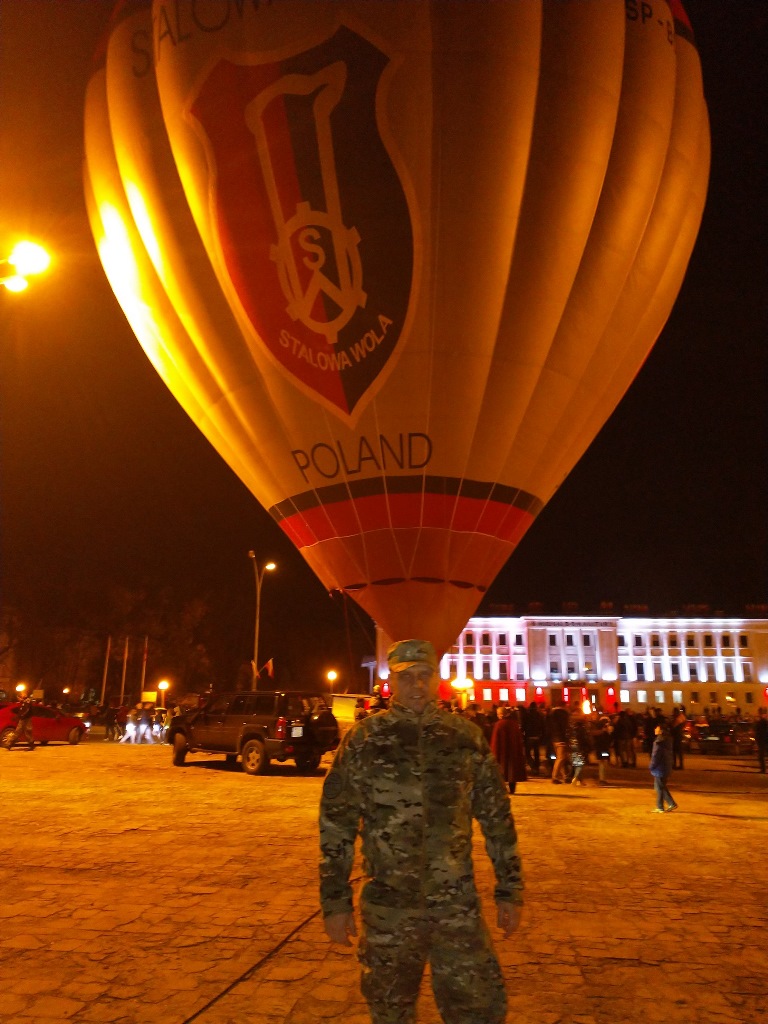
<point x="258" y="727"/>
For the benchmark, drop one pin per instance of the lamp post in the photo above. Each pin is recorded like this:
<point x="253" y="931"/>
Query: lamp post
<point x="162" y="687"/>
<point x="331" y="675"/>
<point x="26" y="258"/>
<point x="258" y="576"/>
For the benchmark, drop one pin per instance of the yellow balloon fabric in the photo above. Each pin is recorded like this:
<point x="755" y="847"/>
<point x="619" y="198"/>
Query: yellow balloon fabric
<point x="398" y="260"/>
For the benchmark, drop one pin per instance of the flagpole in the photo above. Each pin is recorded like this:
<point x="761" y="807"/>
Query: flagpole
<point x="106" y="669"/>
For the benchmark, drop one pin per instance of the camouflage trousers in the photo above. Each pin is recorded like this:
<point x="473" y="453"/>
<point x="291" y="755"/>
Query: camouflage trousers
<point x="397" y="944"/>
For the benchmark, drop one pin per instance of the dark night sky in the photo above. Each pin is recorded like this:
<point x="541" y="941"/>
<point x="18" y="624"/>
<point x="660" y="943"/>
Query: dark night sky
<point x="104" y="477"/>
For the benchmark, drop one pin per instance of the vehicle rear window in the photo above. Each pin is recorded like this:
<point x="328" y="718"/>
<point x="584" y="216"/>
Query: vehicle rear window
<point x="260" y="703"/>
<point x="297" y="706"/>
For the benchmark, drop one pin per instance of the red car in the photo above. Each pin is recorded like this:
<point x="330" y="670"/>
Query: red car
<point x="48" y="725"/>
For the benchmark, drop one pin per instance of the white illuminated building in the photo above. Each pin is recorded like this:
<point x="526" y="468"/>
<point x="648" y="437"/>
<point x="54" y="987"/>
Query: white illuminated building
<point x="636" y="662"/>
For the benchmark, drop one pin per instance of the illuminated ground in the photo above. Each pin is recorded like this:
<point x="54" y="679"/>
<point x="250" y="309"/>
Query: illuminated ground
<point x="135" y="892"/>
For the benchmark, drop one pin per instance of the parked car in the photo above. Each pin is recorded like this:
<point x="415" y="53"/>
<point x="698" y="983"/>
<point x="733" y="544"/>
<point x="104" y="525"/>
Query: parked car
<point x="258" y="728"/>
<point x="48" y="725"/>
<point x="725" y="737"/>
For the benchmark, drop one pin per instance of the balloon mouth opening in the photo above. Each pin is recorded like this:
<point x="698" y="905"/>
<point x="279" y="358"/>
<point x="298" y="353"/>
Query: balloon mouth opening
<point x="397" y="580"/>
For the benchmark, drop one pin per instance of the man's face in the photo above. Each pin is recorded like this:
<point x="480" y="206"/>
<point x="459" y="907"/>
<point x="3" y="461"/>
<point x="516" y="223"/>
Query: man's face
<point x="415" y="687"/>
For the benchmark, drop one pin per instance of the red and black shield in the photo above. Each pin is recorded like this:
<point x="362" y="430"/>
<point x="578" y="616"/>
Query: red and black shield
<point x="311" y="215"/>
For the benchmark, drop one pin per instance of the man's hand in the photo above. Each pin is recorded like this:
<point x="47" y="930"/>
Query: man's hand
<point x="508" y="917"/>
<point x="339" y="928"/>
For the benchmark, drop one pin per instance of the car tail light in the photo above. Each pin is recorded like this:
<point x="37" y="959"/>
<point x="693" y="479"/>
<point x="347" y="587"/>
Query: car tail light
<point x="280" y="728"/>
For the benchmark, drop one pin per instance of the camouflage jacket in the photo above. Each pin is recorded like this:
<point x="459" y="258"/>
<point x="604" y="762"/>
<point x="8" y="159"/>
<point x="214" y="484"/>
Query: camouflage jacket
<point x="411" y="785"/>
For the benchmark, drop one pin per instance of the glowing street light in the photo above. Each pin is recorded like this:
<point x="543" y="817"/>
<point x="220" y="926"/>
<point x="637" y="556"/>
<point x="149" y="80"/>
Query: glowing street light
<point x="162" y="687"/>
<point x="258" y="576"/>
<point x="21" y="688"/>
<point x="27" y="258"/>
<point x="331" y="675"/>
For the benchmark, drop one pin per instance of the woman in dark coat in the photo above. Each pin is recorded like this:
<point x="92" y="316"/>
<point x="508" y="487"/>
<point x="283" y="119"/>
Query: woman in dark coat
<point x="509" y="748"/>
<point x="662" y="760"/>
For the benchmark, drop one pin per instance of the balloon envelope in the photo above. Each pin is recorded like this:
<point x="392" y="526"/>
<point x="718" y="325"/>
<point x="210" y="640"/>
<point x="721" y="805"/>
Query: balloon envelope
<point x="398" y="260"/>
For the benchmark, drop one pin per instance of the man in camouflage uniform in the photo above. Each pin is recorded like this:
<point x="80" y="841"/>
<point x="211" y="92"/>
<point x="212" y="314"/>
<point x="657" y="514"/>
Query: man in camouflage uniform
<point x="411" y="780"/>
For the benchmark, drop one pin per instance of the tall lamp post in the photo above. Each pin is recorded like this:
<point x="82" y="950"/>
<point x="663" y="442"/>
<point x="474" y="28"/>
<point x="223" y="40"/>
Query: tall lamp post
<point x="332" y="675"/>
<point x="258" y="576"/>
<point x="162" y="687"/>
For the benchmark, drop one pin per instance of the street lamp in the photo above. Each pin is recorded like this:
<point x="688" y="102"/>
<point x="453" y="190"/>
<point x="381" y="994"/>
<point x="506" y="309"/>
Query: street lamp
<point x="26" y="258"/>
<point x="21" y="688"/>
<point x="258" y="575"/>
<point x="162" y="687"/>
<point x="331" y="675"/>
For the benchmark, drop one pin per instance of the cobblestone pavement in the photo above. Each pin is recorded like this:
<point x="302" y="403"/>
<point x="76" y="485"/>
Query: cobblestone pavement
<point x="136" y="892"/>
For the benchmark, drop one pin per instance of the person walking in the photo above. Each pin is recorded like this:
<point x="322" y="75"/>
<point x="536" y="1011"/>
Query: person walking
<point x="533" y="727"/>
<point x="145" y="719"/>
<point x="580" y="746"/>
<point x="679" y="722"/>
<point x="23" y="731"/>
<point x="601" y="744"/>
<point x="662" y="763"/>
<point x="558" y="730"/>
<point x="131" y="727"/>
<point x="111" y="728"/>
<point x="411" y="780"/>
<point x="508" y="748"/>
<point x="761" y="737"/>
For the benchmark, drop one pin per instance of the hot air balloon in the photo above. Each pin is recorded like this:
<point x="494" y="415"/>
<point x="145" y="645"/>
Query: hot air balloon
<point x="398" y="260"/>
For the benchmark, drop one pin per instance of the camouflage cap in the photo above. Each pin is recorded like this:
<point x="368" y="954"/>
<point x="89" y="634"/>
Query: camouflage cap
<point x="407" y="653"/>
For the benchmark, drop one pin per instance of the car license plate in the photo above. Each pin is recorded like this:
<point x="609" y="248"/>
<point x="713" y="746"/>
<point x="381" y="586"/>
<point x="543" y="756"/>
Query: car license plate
<point x="297" y="730"/>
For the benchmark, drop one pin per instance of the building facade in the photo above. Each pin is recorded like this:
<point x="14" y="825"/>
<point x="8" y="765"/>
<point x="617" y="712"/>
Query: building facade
<point x="703" y="663"/>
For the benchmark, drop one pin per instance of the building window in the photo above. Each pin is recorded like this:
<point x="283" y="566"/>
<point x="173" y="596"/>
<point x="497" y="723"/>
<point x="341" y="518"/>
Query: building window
<point x="726" y="641"/>
<point x="502" y="639"/>
<point x="469" y="640"/>
<point x="554" y="668"/>
<point x="711" y="674"/>
<point x="638" y="641"/>
<point x="641" y="671"/>
<point x="642" y="696"/>
<point x="675" y="670"/>
<point x="569" y="639"/>
<point x="503" y="674"/>
<point x="695" y="696"/>
<point x="488" y="695"/>
<point x="677" y="696"/>
<point x="486" y="670"/>
<point x="520" y="695"/>
<point x="747" y="670"/>
<point x="729" y="673"/>
<point x="624" y="696"/>
<point x="708" y="640"/>
<point x="519" y="670"/>
<point x="518" y="639"/>
<point x="712" y="697"/>
<point x="693" y="671"/>
<point x="690" y="640"/>
<point x="748" y="697"/>
<point x="587" y="641"/>
<point x="743" y="640"/>
<point x="486" y="640"/>
<point x="673" y="639"/>
<point x="504" y="695"/>
<point x="655" y="640"/>
<point x="623" y="671"/>
<point x="659" y="696"/>
<point x="621" y="640"/>
<point x="571" y="668"/>
<point x="552" y="640"/>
